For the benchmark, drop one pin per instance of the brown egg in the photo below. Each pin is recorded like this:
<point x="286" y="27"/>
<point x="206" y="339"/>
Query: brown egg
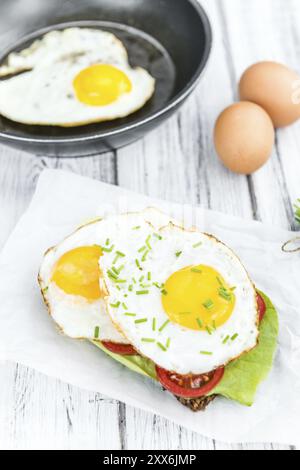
<point x="244" y="137"/>
<point x="275" y="88"/>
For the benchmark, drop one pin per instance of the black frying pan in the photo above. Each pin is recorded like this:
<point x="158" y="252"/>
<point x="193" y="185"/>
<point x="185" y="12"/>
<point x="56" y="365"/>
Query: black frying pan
<point x="170" y="38"/>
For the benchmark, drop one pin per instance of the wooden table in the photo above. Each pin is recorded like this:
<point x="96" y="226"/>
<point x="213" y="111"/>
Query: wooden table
<point x="175" y="162"/>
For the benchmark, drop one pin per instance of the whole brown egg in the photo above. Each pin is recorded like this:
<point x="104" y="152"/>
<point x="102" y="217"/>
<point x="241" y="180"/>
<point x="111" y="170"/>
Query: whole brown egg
<point x="274" y="87"/>
<point x="244" y="137"/>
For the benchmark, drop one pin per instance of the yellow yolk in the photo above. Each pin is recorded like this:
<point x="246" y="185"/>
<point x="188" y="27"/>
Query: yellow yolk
<point x="198" y="298"/>
<point x="77" y="272"/>
<point x="101" y="85"/>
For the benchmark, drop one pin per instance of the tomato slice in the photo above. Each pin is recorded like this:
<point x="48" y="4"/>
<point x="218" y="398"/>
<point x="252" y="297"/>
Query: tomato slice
<point x="189" y="386"/>
<point x="118" y="348"/>
<point x="262" y="308"/>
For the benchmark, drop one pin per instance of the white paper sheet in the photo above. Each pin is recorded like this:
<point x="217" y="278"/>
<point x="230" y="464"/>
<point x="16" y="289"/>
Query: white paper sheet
<point x="27" y="335"/>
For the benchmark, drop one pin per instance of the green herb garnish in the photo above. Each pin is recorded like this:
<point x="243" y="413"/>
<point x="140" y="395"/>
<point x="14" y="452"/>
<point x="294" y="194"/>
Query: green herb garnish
<point x="206" y="353"/>
<point x="196" y="270"/>
<point x="197" y="245"/>
<point x="154" y="324"/>
<point x="148" y="340"/>
<point x="164" y="326"/>
<point x="162" y="347"/>
<point x="208" y="330"/>
<point x="96" y="333"/>
<point x="178" y="254"/>
<point x="226" y="339"/>
<point x="208" y="304"/>
<point x="116" y="305"/>
<point x="234" y="337"/>
<point x="142" y="320"/>
<point x="297" y="211"/>
<point x="107" y="250"/>
<point x="142" y="292"/>
<point x="200" y="323"/>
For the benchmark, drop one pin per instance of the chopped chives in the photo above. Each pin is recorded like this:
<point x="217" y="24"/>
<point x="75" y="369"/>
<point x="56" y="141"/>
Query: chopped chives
<point x="142" y="249"/>
<point x="225" y="294"/>
<point x="112" y="274"/>
<point x="118" y="287"/>
<point x="138" y="264"/>
<point x="234" y="337"/>
<point x="124" y="306"/>
<point x="133" y="280"/>
<point x="195" y="270"/>
<point x="226" y="339"/>
<point x="116" y="305"/>
<point x="130" y="288"/>
<point x="214" y="325"/>
<point x="148" y="242"/>
<point x="107" y="243"/>
<point x="156" y="285"/>
<point x="116" y="259"/>
<point x="206" y="353"/>
<point x="164" y="292"/>
<point x="120" y="268"/>
<point x="162" y="347"/>
<point x="136" y="228"/>
<point x="178" y="254"/>
<point x="208" y="304"/>
<point x="115" y="271"/>
<point x="158" y="236"/>
<point x="197" y="245"/>
<point x="142" y="292"/>
<point x="154" y="324"/>
<point x="200" y="323"/>
<point x="97" y="331"/>
<point x="145" y="286"/>
<point x="149" y="276"/>
<point x="168" y="343"/>
<point x="208" y="330"/>
<point x="130" y="314"/>
<point x="107" y="250"/>
<point x="164" y="326"/>
<point x="145" y="256"/>
<point x="119" y="253"/>
<point x="219" y="281"/>
<point x="148" y="340"/>
<point x="141" y="278"/>
<point x="142" y="320"/>
<point x="120" y="281"/>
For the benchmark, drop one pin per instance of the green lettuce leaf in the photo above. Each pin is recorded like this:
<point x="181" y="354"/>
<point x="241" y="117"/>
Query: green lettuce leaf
<point x="242" y="377"/>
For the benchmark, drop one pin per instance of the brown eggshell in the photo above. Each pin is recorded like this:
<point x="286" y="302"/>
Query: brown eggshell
<point x="244" y="137"/>
<point x="274" y="87"/>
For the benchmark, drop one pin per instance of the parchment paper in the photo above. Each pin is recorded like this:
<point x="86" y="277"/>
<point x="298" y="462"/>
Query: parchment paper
<point x="28" y="336"/>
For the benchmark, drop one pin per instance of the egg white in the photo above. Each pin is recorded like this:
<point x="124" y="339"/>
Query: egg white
<point x="74" y="315"/>
<point x="183" y="355"/>
<point x="44" y="94"/>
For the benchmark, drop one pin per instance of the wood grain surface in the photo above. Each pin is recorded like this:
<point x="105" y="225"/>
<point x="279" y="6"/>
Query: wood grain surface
<point x="175" y="162"/>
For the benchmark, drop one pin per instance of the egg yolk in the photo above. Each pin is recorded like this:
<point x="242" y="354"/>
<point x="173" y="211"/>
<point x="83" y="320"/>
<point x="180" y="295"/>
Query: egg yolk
<point x="198" y="298"/>
<point x="101" y="85"/>
<point x="77" y="272"/>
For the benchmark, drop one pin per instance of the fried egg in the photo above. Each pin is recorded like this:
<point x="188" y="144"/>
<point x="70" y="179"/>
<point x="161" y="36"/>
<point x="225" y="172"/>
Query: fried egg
<point x="70" y="278"/>
<point x="181" y="298"/>
<point x="72" y="77"/>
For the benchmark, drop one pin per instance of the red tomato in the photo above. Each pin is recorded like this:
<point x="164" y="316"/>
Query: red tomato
<point x="262" y="308"/>
<point x="190" y="386"/>
<point x="122" y="349"/>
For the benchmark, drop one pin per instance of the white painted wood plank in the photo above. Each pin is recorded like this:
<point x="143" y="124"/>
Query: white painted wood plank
<point x="250" y="33"/>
